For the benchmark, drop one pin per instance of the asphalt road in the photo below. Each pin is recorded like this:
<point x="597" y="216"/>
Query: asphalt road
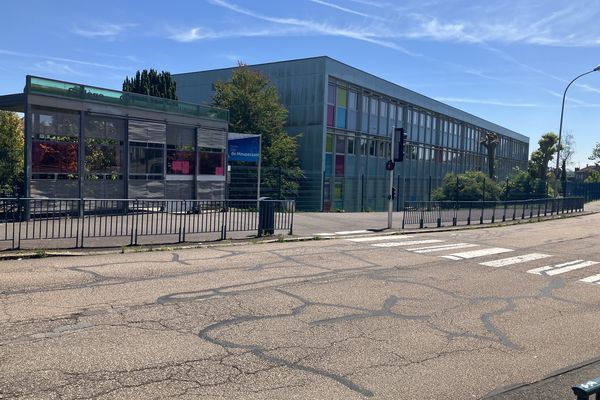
<point x="455" y="315"/>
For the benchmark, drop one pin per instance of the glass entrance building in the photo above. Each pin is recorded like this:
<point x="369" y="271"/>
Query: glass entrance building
<point x="87" y="142"/>
<point x="345" y="117"/>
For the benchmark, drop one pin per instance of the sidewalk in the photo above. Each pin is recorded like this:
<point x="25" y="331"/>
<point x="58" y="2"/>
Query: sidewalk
<point x="310" y="224"/>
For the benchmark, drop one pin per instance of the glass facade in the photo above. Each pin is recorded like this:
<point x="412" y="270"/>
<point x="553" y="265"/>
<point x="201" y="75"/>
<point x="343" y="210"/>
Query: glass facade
<point x="358" y="144"/>
<point x="107" y="151"/>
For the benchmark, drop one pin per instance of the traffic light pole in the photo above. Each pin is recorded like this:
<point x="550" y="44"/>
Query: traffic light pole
<point x="391" y="182"/>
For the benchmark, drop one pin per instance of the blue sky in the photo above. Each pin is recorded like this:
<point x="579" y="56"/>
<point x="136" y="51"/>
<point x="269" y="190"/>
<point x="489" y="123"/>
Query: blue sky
<point x="505" y="61"/>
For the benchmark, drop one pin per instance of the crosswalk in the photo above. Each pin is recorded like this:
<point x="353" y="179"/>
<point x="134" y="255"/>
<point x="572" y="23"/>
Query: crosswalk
<point x="467" y="251"/>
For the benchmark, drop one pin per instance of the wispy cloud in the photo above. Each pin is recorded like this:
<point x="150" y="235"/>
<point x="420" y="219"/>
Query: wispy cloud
<point x="53" y="67"/>
<point x="186" y="35"/>
<point x="345" y="9"/>
<point x="485" y="102"/>
<point x="314" y="27"/>
<point x="62" y="59"/>
<point x="106" y="30"/>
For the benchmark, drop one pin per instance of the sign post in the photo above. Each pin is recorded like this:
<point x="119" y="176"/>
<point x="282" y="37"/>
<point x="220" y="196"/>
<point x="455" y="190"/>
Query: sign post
<point x="245" y="147"/>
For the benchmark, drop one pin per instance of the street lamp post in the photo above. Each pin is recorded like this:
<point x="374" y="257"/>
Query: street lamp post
<point x="562" y="111"/>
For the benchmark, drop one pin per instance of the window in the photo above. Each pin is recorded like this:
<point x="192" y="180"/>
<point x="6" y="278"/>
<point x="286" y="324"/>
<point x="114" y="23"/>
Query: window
<point x="352" y="110"/>
<point x="146" y="158"/>
<point x="373" y="108"/>
<point x="331" y="105"/>
<point x="350" y="145"/>
<point x="329" y="143"/>
<point x="365" y="114"/>
<point x="211" y="161"/>
<point x="383" y="118"/>
<point x="181" y="152"/>
<point x="55" y="144"/>
<point x="342" y="105"/>
<point x="372" y="148"/>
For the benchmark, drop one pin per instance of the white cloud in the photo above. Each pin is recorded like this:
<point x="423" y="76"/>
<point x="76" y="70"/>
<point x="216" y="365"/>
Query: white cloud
<point x="65" y="60"/>
<point x="106" y="30"/>
<point x="373" y="35"/>
<point x="345" y="9"/>
<point x="199" y="33"/>
<point x="53" y="67"/>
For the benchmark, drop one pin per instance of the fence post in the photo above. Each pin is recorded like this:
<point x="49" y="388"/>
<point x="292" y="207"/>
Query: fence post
<point x="182" y="211"/>
<point x="82" y="224"/>
<point x="224" y="210"/>
<point x="469" y="217"/>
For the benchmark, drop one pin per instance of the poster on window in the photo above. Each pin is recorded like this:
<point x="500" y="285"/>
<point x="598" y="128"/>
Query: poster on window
<point x="243" y="147"/>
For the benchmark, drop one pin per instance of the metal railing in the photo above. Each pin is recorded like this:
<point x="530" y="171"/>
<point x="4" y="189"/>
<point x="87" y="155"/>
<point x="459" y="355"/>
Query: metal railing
<point x="115" y="222"/>
<point x="427" y="214"/>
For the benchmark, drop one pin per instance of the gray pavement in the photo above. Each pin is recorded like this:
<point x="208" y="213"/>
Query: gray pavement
<point x="396" y="317"/>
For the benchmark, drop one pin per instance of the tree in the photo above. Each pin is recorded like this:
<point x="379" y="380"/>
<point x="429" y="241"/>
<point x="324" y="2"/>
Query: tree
<point x="593" y="177"/>
<point x="538" y="164"/>
<point x="595" y="157"/>
<point x="254" y="107"/>
<point x="152" y="83"/>
<point x="490" y="141"/>
<point x="567" y="149"/>
<point x="11" y="151"/>
<point x="467" y="187"/>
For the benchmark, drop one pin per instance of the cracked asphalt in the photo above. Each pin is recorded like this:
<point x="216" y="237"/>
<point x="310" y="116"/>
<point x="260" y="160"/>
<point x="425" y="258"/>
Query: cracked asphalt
<point x="326" y="319"/>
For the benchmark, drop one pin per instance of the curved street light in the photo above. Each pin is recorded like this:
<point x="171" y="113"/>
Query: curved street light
<point x="562" y="111"/>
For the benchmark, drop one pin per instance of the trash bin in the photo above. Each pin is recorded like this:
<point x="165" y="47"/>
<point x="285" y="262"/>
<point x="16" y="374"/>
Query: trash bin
<point x="266" y="216"/>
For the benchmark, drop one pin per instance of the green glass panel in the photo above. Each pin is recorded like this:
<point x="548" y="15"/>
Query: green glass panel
<point x="329" y="143"/>
<point x="342" y="100"/>
<point x="52" y="87"/>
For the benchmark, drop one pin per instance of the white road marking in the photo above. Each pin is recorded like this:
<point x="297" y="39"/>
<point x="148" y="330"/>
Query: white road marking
<point x="591" y="279"/>
<point x="538" y="271"/>
<point x="452" y="258"/>
<point x="379" y="238"/>
<point x="408" y="243"/>
<point x="442" y="247"/>
<point x="352" y="232"/>
<point x="515" y="260"/>
<point x="478" y="253"/>
<point x="562" y="268"/>
<point x="324" y="234"/>
<point x="571" y="268"/>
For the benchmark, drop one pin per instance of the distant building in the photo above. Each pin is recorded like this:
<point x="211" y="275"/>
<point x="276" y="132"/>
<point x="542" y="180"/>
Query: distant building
<point x="346" y="117"/>
<point x="582" y="173"/>
<point x="83" y="141"/>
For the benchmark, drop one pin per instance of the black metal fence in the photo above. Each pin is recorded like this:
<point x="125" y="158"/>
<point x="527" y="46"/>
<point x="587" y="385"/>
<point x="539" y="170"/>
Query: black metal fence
<point x="113" y="222"/>
<point x="427" y="214"/>
<point x="590" y="191"/>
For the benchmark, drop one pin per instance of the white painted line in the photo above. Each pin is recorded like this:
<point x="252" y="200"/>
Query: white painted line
<point x="352" y="232"/>
<point x="515" y="260"/>
<point x="408" y="243"/>
<point x="452" y="258"/>
<point x="591" y="279"/>
<point x="570" y="268"/>
<point x="480" y="253"/>
<point x="379" y="238"/>
<point x="430" y="249"/>
<point x="538" y="271"/>
<point x="324" y="234"/>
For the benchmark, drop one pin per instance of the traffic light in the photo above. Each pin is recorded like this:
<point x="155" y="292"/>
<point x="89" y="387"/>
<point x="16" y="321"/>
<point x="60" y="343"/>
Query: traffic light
<point x="393" y="193"/>
<point x="399" y="139"/>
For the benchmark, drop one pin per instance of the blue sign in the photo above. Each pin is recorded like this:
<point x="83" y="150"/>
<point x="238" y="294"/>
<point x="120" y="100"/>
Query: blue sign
<point x="243" y="147"/>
